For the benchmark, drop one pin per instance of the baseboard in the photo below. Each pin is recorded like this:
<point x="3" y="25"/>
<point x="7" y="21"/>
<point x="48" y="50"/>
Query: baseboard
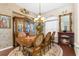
<point x="76" y="45"/>
<point x="6" y="48"/>
<point x="76" y="48"/>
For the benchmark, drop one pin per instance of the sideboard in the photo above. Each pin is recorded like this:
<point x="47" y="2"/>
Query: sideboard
<point x="68" y="36"/>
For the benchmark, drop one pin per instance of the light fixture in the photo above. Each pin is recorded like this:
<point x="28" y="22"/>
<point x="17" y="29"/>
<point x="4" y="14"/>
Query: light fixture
<point x="39" y="18"/>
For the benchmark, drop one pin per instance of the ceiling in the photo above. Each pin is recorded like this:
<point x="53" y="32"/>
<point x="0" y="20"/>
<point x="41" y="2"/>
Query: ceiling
<point x="45" y="7"/>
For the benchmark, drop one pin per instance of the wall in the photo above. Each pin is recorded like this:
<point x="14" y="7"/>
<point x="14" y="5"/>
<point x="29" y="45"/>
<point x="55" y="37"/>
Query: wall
<point x="76" y="28"/>
<point x="6" y="37"/>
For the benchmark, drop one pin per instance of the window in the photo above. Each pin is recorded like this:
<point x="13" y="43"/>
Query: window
<point x="51" y="26"/>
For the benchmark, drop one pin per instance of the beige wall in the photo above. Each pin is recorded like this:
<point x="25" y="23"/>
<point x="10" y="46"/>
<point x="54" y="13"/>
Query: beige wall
<point x="76" y="28"/>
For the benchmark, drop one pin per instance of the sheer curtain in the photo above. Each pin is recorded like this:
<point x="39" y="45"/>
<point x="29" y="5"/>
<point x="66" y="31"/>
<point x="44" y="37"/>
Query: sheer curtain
<point x="51" y="26"/>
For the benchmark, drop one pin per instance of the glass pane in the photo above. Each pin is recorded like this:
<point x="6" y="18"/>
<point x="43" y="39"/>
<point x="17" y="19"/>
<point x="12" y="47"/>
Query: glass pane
<point x="27" y="27"/>
<point x="20" y="26"/>
<point x="32" y="28"/>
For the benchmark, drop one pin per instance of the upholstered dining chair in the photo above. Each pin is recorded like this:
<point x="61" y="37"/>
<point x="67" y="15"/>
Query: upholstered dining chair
<point x="46" y="42"/>
<point x="52" y="37"/>
<point x="21" y="36"/>
<point x="36" y="48"/>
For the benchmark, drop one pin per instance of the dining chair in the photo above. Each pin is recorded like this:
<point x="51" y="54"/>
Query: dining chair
<point x="36" y="47"/>
<point x="46" y="42"/>
<point x="20" y="40"/>
<point x="53" y="37"/>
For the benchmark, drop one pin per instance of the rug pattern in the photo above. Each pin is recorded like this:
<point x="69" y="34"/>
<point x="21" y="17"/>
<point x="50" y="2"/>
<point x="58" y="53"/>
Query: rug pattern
<point x="55" y="50"/>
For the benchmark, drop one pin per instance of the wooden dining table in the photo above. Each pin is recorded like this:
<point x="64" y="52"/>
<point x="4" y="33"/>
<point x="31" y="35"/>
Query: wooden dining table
<point x="26" y="41"/>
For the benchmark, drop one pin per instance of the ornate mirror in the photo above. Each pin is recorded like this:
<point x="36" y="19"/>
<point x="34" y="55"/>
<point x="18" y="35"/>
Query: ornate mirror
<point x="65" y="22"/>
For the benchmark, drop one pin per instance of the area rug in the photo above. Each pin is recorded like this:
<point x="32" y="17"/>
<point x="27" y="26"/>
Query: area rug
<point x="55" y="50"/>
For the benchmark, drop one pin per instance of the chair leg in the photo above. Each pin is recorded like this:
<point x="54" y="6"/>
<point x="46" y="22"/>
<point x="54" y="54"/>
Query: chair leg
<point x="19" y="48"/>
<point x="50" y="44"/>
<point x="40" y="52"/>
<point x="29" y="54"/>
<point x="22" y="48"/>
<point x="48" y="47"/>
<point x="44" y="51"/>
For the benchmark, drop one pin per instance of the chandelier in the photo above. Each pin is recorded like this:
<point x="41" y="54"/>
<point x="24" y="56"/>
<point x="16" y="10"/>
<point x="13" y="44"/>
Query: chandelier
<point x="39" y="18"/>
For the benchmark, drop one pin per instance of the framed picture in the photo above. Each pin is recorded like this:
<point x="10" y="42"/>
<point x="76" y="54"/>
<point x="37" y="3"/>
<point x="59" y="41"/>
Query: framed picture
<point x="5" y="21"/>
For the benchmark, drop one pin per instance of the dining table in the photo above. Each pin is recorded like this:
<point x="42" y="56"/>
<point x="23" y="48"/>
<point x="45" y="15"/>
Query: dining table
<point x="26" y="41"/>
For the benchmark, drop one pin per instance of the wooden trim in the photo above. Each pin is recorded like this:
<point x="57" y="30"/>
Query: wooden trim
<point x="17" y="17"/>
<point x="60" y="23"/>
<point x="5" y="15"/>
<point x="24" y="26"/>
<point x="6" y="48"/>
<point x="19" y="14"/>
<point x="24" y="15"/>
<point x="65" y="14"/>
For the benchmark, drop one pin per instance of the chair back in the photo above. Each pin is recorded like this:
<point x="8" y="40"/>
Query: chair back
<point x="21" y="41"/>
<point x="53" y="35"/>
<point x="48" y="36"/>
<point x="38" y="40"/>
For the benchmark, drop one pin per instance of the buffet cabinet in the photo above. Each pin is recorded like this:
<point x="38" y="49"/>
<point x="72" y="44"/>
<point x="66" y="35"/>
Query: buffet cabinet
<point x="66" y="38"/>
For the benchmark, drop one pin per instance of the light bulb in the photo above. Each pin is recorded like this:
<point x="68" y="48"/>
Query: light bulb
<point x="39" y="16"/>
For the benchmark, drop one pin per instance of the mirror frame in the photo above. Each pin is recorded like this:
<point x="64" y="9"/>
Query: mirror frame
<point x="70" y="18"/>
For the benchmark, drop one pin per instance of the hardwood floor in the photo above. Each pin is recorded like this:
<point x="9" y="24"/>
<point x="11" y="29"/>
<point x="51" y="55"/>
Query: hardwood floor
<point x="67" y="51"/>
<point x="5" y="52"/>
